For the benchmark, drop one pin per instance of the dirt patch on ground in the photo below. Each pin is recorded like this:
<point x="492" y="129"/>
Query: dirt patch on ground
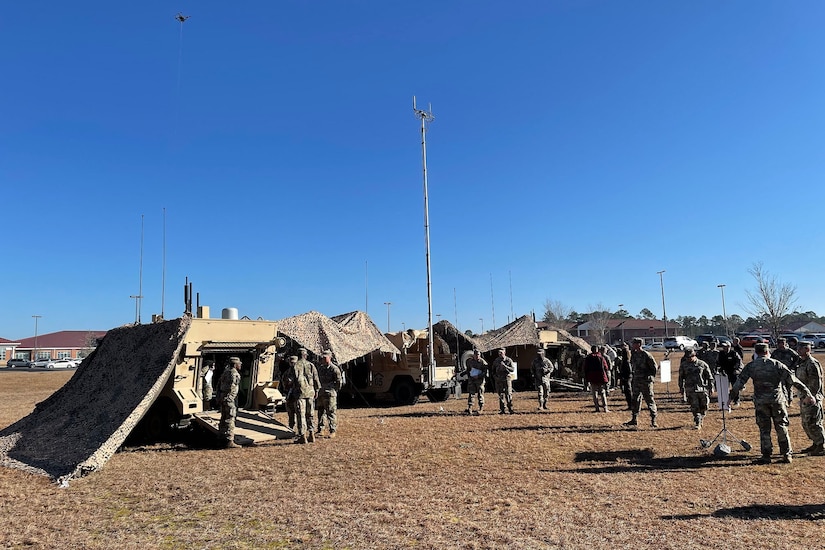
<point x="427" y="476"/>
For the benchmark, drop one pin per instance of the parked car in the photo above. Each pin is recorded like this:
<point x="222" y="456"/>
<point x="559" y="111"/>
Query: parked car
<point x="709" y="338"/>
<point x="61" y="364"/>
<point x="751" y="340"/>
<point x="680" y="342"/>
<point x="11" y="363"/>
<point x="40" y="362"/>
<point x="654" y="346"/>
<point x="816" y="340"/>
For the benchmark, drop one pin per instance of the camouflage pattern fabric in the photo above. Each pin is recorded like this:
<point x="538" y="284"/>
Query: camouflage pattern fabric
<point x="644" y="369"/>
<point x="769" y="378"/>
<point x="228" y="390"/>
<point x="329" y="376"/>
<point x="543" y="369"/>
<point x="475" y="384"/>
<point x="809" y="372"/>
<point x="695" y="380"/>
<point x="503" y="369"/>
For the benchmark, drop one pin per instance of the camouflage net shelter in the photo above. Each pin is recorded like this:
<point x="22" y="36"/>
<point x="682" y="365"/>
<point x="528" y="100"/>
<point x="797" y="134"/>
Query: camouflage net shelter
<point x="80" y="426"/>
<point x="348" y="336"/>
<point x="457" y="341"/>
<point x="521" y="332"/>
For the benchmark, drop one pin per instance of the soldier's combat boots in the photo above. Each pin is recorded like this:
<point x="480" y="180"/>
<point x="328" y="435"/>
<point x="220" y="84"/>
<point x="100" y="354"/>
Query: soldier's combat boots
<point x="231" y="445"/>
<point x="301" y="439"/>
<point x="311" y="437"/>
<point x="469" y="411"/>
<point x="787" y="458"/>
<point x="631" y="422"/>
<point x="653" y="423"/>
<point x="764" y="459"/>
<point x="332" y="435"/>
<point x="818" y="450"/>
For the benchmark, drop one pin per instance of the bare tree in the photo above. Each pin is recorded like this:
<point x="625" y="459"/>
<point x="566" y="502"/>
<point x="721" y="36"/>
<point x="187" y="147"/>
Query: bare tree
<point x="771" y="300"/>
<point x="556" y="313"/>
<point x="599" y="321"/>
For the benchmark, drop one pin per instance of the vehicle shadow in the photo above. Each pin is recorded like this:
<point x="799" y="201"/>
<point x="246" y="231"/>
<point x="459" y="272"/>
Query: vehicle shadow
<point x="813" y="512"/>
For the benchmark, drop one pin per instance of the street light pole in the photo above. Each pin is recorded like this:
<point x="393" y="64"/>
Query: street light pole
<point x="388" y="304"/>
<point x="34" y="353"/>
<point x="622" y="323"/>
<point x="664" y="312"/>
<point x="724" y="313"/>
<point x="482" y="324"/>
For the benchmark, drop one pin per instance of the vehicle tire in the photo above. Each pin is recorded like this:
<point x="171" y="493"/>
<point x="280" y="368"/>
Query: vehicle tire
<point x="157" y="424"/>
<point x="438" y="395"/>
<point x="821" y="345"/>
<point x="405" y="393"/>
<point x="681" y="347"/>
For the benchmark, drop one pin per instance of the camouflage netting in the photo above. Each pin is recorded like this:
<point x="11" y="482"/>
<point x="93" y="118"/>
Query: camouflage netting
<point x="79" y="427"/>
<point x="349" y="336"/>
<point x="452" y="335"/>
<point x="520" y="332"/>
<point x="580" y="342"/>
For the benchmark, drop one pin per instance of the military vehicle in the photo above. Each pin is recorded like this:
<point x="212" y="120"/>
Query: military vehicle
<point x="180" y="401"/>
<point x="407" y="376"/>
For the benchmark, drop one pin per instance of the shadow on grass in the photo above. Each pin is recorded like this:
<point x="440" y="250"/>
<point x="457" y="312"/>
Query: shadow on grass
<point x="644" y="460"/>
<point x="559" y="429"/>
<point x="762" y="511"/>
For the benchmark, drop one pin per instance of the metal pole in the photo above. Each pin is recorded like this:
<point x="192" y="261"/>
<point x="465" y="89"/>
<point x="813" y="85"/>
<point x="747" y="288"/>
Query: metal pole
<point x="622" y="324"/>
<point x="482" y="324"/>
<point x="427" y="116"/>
<point x="388" y="304"/>
<point x="724" y="313"/>
<point x="34" y="353"/>
<point x="664" y="312"/>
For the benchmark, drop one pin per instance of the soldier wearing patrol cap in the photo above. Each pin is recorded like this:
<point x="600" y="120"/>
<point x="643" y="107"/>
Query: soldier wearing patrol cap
<point x="228" y="391"/>
<point x="503" y="370"/>
<point x="329" y="375"/>
<point x="476" y="377"/>
<point x="769" y="375"/>
<point x="809" y="372"/>
<point x="695" y="379"/>
<point x="644" y="370"/>
<point x="542" y="370"/>
<point x="303" y="379"/>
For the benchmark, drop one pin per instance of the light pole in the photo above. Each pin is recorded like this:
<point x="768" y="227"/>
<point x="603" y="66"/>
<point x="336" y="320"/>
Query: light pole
<point x="622" y="323"/>
<point x="137" y="298"/>
<point x="388" y="304"/>
<point x="34" y="353"/>
<point x="664" y="312"/>
<point x="724" y="313"/>
<point x="482" y="324"/>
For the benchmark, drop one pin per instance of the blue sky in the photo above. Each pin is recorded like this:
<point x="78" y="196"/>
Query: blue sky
<point x="578" y="148"/>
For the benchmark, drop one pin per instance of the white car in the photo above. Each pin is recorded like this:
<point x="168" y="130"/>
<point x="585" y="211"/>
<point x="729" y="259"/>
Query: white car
<point x="61" y="364"/>
<point x="680" y="342"/>
<point x="816" y="340"/>
<point x="655" y="346"/>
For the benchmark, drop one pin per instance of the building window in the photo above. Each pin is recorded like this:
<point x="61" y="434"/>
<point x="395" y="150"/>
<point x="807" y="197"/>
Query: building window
<point x="64" y="355"/>
<point x="44" y="354"/>
<point x="3" y="353"/>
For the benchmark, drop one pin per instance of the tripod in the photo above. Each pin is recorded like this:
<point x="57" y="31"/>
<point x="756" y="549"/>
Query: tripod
<point x="722" y="397"/>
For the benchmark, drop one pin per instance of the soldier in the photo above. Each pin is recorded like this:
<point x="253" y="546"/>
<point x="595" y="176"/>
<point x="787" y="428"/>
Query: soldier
<point x="694" y="382"/>
<point x="304" y="383"/>
<point x="768" y="376"/>
<point x="730" y="364"/>
<point x="228" y="389"/>
<point x="206" y="388"/>
<point x="712" y="357"/>
<point x="809" y="372"/>
<point x="787" y="357"/>
<point x="596" y="372"/>
<point x="329" y="375"/>
<point x="737" y="347"/>
<point x="476" y="377"/>
<point x="285" y="386"/>
<point x="542" y="368"/>
<point x="703" y="350"/>
<point x="503" y="369"/>
<point x="643" y="367"/>
<point x="623" y="362"/>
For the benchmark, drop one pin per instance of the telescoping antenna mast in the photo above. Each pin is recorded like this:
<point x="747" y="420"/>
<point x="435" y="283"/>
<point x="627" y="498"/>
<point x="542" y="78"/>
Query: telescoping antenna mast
<point x="425" y="117"/>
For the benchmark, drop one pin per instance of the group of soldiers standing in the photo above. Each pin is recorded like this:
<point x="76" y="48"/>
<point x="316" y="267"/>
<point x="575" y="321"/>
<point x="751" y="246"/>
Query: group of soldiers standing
<point x="775" y="375"/>
<point x="306" y="388"/>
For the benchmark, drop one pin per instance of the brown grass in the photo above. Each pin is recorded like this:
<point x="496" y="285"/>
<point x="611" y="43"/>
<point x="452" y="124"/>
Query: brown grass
<point x="429" y="477"/>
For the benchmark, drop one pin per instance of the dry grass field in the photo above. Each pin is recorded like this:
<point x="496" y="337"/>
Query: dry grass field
<point x="427" y="476"/>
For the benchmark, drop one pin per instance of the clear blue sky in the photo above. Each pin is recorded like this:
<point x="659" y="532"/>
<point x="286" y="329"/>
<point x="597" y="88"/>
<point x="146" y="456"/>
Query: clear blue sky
<point x="578" y="148"/>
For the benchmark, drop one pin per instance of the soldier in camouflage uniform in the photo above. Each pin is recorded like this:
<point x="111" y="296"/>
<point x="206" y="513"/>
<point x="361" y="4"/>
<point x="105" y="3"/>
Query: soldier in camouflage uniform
<point x="809" y="372"/>
<point x="625" y="373"/>
<point x="730" y="364"/>
<point x="206" y="389"/>
<point x="787" y="357"/>
<point x="769" y="376"/>
<point x="476" y="377"/>
<point x="285" y="386"/>
<point x="694" y="382"/>
<point x="542" y="368"/>
<point x="329" y="375"/>
<point x="228" y="390"/>
<point x="644" y="370"/>
<point x="503" y="370"/>
<point x="303" y="377"/>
